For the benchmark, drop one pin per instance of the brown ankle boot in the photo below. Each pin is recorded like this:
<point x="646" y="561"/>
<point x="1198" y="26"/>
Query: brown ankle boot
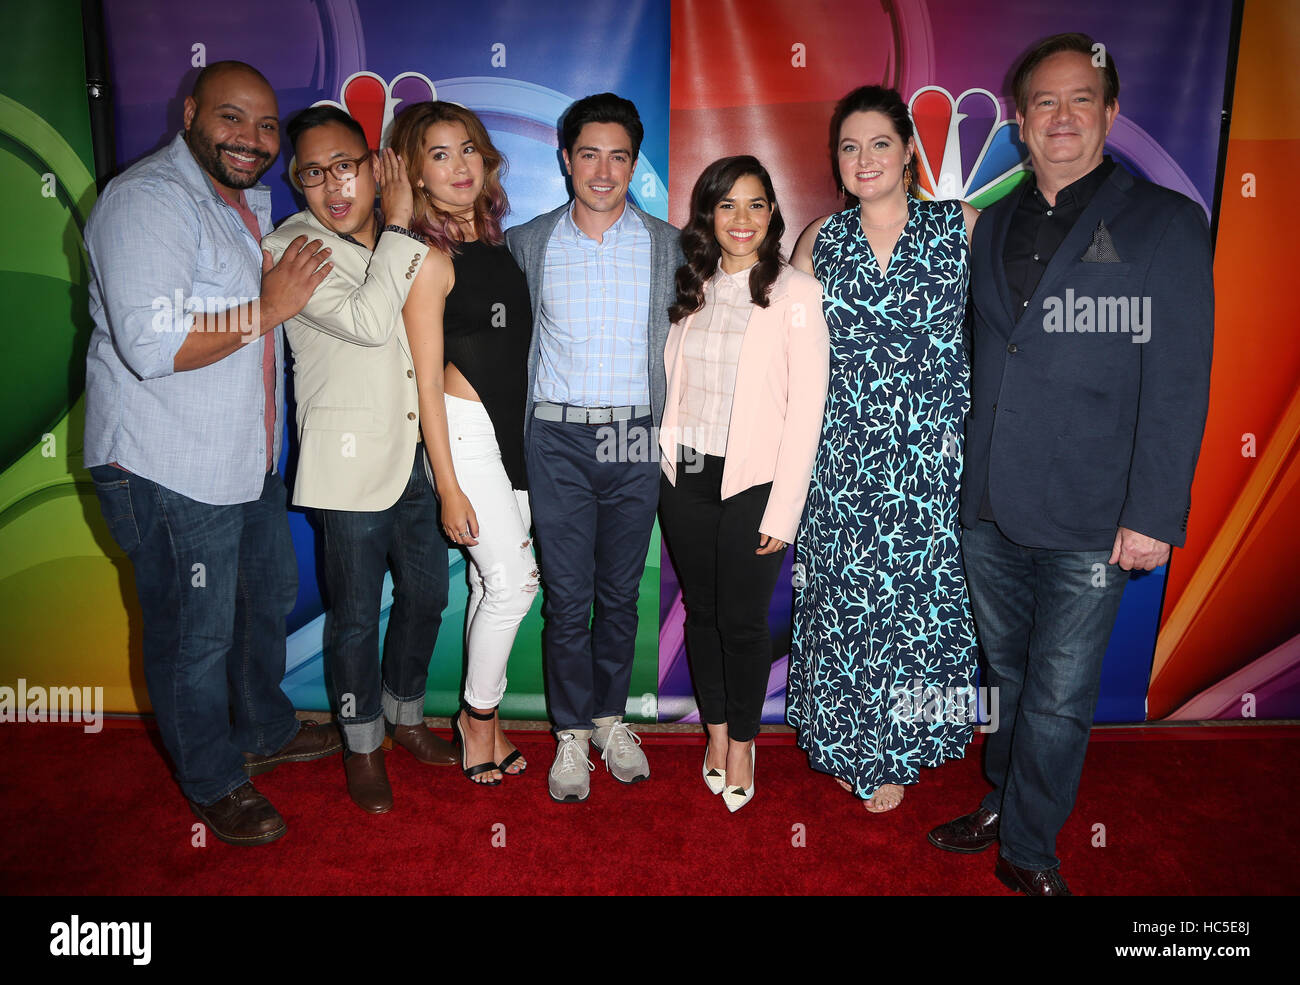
<point x="430" y="749"/>
<point x="368" y="781"/>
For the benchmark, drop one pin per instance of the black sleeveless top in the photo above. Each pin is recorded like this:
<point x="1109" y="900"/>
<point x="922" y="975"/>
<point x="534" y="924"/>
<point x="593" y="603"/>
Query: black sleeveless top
<point x="487" y="324"/>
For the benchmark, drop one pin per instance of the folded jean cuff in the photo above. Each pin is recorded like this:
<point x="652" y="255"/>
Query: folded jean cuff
<point x="403" y="711"/>
<point x="363" y="737"/>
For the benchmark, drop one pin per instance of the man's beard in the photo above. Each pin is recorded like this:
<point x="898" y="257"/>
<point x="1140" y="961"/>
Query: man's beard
<point x="208" y="155"/>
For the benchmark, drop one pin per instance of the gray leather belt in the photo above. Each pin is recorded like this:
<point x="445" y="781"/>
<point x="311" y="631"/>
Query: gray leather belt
<point x="544" y="411"/>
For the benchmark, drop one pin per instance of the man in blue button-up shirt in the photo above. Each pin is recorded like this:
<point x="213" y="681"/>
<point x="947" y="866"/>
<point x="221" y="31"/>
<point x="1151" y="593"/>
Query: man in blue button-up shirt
<point x="600" y="272"/>
<point x="183" y="424"/>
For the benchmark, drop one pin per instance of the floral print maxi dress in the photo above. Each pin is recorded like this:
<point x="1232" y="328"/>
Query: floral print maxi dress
<point x="883" y="652"/>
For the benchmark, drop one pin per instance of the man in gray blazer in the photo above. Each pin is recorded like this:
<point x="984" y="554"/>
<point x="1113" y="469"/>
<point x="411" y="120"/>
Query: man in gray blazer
<point x="601" y="274"/>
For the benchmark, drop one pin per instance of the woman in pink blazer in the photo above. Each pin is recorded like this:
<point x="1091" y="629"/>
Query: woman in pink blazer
<point x="747" y="362"/>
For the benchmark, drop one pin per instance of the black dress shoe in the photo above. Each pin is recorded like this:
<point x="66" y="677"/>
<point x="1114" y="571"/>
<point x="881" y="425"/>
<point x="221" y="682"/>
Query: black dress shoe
<point x="969" y="833"/>
<point x="314" y="740"/>
<point x="1031" y="882"/>
<point x="242" y="817"/>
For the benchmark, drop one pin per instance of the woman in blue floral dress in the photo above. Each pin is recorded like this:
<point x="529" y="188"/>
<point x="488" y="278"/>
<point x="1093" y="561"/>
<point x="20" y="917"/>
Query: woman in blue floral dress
<point x="883" y="654"/>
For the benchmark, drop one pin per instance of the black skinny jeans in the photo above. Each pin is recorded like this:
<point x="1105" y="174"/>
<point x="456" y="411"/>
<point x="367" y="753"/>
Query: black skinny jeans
<point x="726" y="588"/>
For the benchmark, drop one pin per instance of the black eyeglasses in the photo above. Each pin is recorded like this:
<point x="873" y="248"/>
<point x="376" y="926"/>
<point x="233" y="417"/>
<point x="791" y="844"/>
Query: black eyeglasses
<point x="312" y="176"/>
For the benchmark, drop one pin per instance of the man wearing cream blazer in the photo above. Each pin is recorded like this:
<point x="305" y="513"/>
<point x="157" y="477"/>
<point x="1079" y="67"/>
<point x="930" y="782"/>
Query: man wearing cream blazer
<point x="361" y="463"/>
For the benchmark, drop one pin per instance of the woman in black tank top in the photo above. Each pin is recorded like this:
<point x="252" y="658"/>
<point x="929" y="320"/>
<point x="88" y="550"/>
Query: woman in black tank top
<point x="469" y="321"/>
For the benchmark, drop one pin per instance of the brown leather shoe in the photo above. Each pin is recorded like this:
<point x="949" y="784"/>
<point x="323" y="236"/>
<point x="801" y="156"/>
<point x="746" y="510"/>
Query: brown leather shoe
<point x="368" y="781"/>
<point x="424" y="745"/>
<point x="242" y="817"/>
<point x="315" y="740"/>
<point x="1031" y="882"/>
<point x="969" y="833"/>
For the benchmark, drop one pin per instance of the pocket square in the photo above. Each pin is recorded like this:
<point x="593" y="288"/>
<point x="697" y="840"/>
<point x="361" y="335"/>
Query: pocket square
<point x="1102" y="248"/>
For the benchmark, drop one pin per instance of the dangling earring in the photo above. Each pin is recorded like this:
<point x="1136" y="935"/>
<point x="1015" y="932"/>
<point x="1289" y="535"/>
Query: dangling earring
<point x="907" y="176"/>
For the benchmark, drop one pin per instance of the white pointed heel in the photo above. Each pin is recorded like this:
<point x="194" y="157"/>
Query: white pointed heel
<point x="734" y="797"/>
<point x="714" y="779"/>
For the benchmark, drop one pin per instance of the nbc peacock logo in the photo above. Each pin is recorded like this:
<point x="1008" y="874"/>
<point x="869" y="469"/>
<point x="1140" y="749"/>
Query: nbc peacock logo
<point x="965" y="148"/>
<point x="373" y="103"/>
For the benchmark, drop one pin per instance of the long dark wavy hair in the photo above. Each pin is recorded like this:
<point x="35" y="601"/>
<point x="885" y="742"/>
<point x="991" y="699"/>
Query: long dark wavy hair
<point x="701" y="245"/>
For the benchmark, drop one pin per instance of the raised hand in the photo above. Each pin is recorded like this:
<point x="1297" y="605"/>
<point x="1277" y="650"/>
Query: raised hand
<point x="395" y="196"/>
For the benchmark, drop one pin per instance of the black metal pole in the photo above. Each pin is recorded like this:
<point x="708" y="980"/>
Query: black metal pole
<point x="1229" y="90"/>
<point x="98" y="90"/>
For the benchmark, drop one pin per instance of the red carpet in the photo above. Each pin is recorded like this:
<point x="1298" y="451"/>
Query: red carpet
<point x="98" y="814"/>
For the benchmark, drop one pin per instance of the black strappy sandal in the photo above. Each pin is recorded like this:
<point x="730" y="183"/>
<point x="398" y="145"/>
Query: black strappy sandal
<point x="510" y="758"/>
<point x="473" y="771"/>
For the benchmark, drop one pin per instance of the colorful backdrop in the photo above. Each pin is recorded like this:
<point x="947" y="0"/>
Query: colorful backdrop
<point x="519" y="66"/>
<point x="773" y="94"/>
<point x="1214" y="636"/>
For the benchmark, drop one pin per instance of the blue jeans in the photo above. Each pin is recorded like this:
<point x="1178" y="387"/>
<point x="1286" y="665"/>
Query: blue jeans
<point x="358" y="549"/>
<point x="593" y="519"/>
<point x="215" y="584"/>
<point x="1043" y="619"/>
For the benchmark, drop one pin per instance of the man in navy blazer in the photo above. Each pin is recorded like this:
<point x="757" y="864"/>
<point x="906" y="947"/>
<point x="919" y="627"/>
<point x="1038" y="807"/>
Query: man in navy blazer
<point x="1093" y="316"/>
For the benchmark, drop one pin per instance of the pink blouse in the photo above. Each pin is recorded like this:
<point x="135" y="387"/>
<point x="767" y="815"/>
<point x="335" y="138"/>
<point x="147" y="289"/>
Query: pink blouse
<point x="710" y="355"/>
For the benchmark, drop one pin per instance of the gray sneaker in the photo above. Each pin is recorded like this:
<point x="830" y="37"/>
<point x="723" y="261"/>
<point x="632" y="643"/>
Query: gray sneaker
<point x="620" y="748"/>
<point x="569" y="780"/>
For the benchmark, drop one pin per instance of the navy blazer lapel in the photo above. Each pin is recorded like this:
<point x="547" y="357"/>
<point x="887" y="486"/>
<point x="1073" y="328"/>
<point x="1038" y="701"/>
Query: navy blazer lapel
<point x="1105" y="205"/>
<point x="998" y="244"/>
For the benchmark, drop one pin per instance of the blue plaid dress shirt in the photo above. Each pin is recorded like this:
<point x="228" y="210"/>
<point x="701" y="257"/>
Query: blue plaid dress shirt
<point x="594" y="348"/>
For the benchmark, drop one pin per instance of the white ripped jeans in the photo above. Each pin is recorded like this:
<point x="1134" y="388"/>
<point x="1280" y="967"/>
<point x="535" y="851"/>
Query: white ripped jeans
<point x="503" y="576"/>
